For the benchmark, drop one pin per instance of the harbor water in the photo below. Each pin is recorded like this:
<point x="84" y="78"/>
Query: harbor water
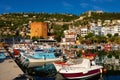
<point x="48" y="72"/>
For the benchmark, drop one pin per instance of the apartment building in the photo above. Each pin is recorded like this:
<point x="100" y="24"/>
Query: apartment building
<point x="70" y="36"/>
<point x="117" y="29"/>
<point x="84" y="31"/>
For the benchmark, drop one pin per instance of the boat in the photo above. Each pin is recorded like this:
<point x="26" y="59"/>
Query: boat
<point x="14" y="49"/>
<point x="77" y="68"/>
<point x="38" y="58"/>
<point x="2" y="56"/>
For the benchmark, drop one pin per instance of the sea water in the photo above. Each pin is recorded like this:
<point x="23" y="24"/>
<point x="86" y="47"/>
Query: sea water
<point x="48" y="72"/>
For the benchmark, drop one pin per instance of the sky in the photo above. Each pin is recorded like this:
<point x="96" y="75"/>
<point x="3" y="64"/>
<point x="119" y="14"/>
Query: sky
<point x="58" y="6"/>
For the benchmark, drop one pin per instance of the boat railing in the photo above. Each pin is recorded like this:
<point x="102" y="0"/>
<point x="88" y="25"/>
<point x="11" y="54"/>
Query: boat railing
<point x="73" y="68"/>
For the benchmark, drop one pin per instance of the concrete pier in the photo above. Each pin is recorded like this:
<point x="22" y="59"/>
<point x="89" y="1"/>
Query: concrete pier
<point x="9" y="70"/>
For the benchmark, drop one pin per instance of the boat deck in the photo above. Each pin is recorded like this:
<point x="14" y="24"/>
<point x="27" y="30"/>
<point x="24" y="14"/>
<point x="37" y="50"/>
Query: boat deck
<point x="9" y="70"/>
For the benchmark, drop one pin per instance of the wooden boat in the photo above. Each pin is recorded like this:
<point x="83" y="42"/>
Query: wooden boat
<point x="77" y="68"/>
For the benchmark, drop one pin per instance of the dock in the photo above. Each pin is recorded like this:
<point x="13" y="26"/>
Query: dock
<point x="9" y="70"/>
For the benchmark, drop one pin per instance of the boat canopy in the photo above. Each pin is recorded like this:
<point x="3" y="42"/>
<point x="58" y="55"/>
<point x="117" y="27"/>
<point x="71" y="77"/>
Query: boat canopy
<point x="44" y="55"/>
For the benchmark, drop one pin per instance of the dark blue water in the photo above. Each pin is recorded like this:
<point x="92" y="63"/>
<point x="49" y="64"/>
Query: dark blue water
<point x="112" y="75"/>
<point x="48" y="72"/>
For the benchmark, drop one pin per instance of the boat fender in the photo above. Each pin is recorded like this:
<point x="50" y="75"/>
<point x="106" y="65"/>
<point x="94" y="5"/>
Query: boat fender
<point x="101" y="71"/>
<point x="85" y="71"/>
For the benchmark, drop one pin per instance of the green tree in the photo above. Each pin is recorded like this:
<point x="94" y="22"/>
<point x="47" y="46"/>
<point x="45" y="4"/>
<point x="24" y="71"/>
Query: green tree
<point x="89" y="35"/>
<point x="116" y="35"/>
<point x="109" y="55"/>
<point x="59" y="31"/>
<point x="35" y="38"/>
<point x="109" y="35"/>
<point x="100" y="39"/>
<point x="80" y="38"/>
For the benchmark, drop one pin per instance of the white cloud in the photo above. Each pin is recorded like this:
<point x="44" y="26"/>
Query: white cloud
<point x="67" y="4"/>
<point x="96" y="8"/>
<point x="101" y="0"/>
<point x="109" y="0"/>
<point x="83" y="5"/>
<point x="5" y="7"/>
<point x="94" y="0"/>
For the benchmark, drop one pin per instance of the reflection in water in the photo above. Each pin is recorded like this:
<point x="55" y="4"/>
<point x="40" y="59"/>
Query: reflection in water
<point x="109" y="75"/>
<point x="112" y="67"/>
<point x="48" y="72"/>
<point x="112" y="75"/>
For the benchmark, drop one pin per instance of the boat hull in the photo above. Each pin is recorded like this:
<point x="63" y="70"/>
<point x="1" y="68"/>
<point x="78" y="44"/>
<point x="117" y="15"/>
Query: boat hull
<point x="77" y="70"/>
<point x="81" y="74"/>
<point x="41" y="62"/>
<point x="28" y="61"/>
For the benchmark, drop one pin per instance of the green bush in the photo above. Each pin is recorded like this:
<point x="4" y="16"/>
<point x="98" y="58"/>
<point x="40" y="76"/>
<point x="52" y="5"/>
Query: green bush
<point x="109" y="56"/>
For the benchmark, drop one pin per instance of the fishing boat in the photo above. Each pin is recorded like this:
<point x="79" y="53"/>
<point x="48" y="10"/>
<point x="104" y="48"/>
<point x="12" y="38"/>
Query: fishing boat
<point x="39" y="58"/>
<point x="77" y="68"/>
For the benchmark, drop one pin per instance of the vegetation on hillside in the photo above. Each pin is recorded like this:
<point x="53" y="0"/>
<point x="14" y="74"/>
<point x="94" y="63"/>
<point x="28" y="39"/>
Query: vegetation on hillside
<point x="98" y="16"/>
<point x="20" y="22"/>
<point x="19" y="19"/>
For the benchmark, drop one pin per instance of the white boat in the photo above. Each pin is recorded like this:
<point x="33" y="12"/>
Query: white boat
<point x="34" y="59"/>
<point x="77" y="68"/>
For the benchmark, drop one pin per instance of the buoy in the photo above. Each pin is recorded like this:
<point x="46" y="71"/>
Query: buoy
<point x="104" y="70"/>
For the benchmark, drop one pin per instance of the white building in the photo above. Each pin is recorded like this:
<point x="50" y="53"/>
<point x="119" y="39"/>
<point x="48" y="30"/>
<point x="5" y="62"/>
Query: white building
<point x="99" y="22"/>
<point x="70" y="37"/>
<point x="107" y="22"/>
<point x="92" y="25"/>
<point x="97" y="30"/>
<point x="83" y="31"/>
<point x="111" y="30"/>
<point x="117" y="29"/>
<point x="107" y="30"/>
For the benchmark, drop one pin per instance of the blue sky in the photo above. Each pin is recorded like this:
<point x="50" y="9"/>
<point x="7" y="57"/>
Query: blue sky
<point x="59" y="6"/>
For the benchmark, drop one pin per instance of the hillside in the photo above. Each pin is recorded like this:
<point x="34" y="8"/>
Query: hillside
<point x="12" y="24"/>
<point x="92" y="16"/>
<point x="20" y="19"/>
<point x="14" y="20"/>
